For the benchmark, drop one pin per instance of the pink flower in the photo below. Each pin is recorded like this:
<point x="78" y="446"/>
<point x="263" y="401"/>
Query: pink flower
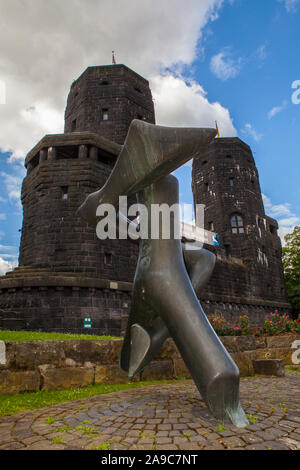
<point x="236" y="328"/>
<point x="271" y="321"/>
<point x="215" y="320"/>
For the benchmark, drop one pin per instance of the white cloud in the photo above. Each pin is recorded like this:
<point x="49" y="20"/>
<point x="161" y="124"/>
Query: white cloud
<point x="12" y="183"/>
<point x="290" y="5"/>
<point x="261" y="52"/>
<point x="182" y="103"/>
<point x="46" y="45"/>
<point x="6" y="266"/>
<point x="224" y="66"/>
<point x="287" y="219"/>
<point x="276" y="110"/>
<point x="249" y="130"/>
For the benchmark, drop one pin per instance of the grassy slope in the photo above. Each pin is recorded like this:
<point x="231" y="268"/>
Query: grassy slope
<point x="40" y="336"/>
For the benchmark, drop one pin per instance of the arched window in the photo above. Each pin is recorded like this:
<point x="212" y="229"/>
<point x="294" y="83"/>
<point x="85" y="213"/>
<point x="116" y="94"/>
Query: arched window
<point x="237" y="224"/>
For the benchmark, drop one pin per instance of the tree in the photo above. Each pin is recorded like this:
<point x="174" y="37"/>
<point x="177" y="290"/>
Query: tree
<point x="291" y="265"/>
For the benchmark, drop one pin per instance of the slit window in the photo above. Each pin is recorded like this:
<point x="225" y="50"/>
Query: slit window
<point x="73" y="125"/>
<point x="231" y="182"/>
<point x="108" y="259"/>
<point x="105" y="114"/>
<point x="237" y="224"/>
<point x="65" y="193"/>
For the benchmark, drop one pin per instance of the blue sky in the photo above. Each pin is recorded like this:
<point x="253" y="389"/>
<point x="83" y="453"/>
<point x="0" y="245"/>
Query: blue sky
<point x="230" y="60"/>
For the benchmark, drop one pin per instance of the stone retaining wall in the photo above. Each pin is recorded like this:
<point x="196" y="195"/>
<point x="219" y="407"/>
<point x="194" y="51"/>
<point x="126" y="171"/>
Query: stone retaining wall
<point x="56" y="365"/>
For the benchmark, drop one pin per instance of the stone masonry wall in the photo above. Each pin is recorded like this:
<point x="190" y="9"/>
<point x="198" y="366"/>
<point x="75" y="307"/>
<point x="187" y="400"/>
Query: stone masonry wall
<point x="48" y="365"/>
<point x="63" y="308"/>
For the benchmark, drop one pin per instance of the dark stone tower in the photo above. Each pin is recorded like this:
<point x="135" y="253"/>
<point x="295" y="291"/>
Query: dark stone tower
<point x="104" y="100"/>
<point x="66" y="273"/>
<point x="248" y="278"/>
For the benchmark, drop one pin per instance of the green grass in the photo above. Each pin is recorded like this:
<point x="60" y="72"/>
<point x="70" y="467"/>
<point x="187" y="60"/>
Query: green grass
<point x="11" y="404"/>
<point x="40" y="336"/>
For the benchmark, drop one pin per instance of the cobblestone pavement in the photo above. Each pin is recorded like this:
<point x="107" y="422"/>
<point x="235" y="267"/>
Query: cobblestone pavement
<point x="168" y="416"/>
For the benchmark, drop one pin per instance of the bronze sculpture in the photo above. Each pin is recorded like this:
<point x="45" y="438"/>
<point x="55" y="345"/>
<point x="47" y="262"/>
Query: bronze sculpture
<point x="164" y="302"/>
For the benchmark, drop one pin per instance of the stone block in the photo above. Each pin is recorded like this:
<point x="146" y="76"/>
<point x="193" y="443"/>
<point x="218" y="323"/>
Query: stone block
<point x="16" y="382"/>
<point x="31" y="354"/>
<point x="112" y="374"/>
<point x="244" y="361"/>
<point x="281" y="341"/>
<point x="245" y="343"/>
<point x="116" y="347"/>
<point x="274" y="367"/>
<point x="68" y="377"/>
<point x="235" y="344"/>
<point x="95" y="351"/>
<point x="158" y="371"/>
<point x="284" y="354"/>
<point x="168" y="351"/>
<point x="180" y="369"/>
<point x="260" y="342"/>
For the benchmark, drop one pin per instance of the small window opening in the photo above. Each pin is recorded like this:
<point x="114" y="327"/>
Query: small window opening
<point x="105" y="114"/>
<point x="231" y="182"/>
<point x="138" y="89"/>
<point x="204" y="162"/>
<point x="206" y="186"/>
<point x="228" y="156"/>
<point x="108" y="259"/>
<point x="73" y="125"/>
<point x="65" y="193"/>
<point x="211" y="227"/>
<point x="105" y="82"/>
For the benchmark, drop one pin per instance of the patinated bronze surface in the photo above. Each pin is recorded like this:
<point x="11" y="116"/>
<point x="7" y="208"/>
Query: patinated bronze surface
<point x="164" y="302"/>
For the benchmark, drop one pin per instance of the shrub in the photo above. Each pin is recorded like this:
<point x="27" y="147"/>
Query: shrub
<point x="244" y="324"/>
<point x="276" y="323"/>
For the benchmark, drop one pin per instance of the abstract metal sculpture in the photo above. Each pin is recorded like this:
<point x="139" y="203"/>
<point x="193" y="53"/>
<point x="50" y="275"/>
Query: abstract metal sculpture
<point x="164" y="302"/>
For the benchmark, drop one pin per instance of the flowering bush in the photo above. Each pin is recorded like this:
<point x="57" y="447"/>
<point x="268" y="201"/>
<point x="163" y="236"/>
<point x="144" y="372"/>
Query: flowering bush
<point x="221" y="326"/>
<point x="274" y="324"/>
<point x="295" y="325"/>
<point x="244" y="324"/>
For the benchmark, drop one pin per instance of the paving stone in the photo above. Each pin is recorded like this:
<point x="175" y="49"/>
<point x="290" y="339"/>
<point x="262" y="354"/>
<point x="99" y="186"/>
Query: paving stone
<point x="165" y="413"/>
<point x="232" y="442"/>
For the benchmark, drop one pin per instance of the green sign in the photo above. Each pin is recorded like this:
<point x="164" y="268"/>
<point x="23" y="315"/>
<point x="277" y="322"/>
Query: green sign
<point x="87" y="322"/>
